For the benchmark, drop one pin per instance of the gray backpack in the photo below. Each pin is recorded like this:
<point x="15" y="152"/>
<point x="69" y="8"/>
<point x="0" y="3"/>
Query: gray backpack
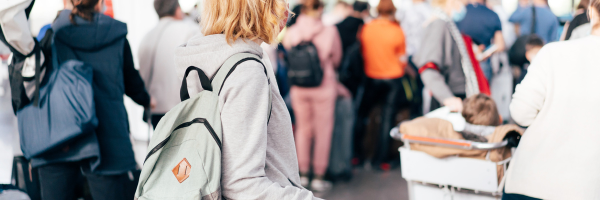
<point x="184" y="157"/>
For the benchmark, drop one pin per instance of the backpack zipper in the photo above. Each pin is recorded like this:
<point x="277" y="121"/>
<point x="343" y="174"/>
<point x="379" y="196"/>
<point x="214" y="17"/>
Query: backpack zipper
<point x="183" y="125"/>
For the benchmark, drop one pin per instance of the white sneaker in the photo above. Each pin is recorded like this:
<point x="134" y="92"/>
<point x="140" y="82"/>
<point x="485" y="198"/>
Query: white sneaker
<point x="319" y="185"/>
<point x="304" y="181"/>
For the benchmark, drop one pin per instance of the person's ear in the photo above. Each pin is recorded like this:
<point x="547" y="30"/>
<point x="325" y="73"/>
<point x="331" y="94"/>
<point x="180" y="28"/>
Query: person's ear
<point x="99" y="7"/>
<point x="179" y="13"/>
<point x="589" y="13"/>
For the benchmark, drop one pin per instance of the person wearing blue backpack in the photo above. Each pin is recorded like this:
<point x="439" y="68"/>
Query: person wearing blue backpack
<point x="86" y="35"/>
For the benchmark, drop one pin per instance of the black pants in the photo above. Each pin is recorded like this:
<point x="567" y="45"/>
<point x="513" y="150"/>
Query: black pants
<point x="58" y="182"/>
<point x="390" y="92"/>
<point x="517" y="197"/>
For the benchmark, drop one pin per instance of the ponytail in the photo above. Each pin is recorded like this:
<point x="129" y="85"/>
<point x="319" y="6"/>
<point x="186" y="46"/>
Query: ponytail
<point x="84" y="9"/>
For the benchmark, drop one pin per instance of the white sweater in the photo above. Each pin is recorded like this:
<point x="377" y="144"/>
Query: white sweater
<point x="162" y="83"/>
<point x="559" y="99"/>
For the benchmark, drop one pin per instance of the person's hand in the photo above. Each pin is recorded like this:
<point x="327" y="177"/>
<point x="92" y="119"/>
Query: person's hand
<point x="454" y="103"/>
<point x="342" y="91"/>
<point x="152" y="103"/>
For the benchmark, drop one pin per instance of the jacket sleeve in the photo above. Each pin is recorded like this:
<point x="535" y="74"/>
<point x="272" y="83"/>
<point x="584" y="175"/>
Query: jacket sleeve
<point x="518" y="16"/>
<point x="145" y="59"/>
<point x="530" y="95"/>
<point x="244" y="121"/>
<point x="554" y="32"/>
<point x="336" y="48"/>
<point x="134" y="85"/>
<point x="432" y="51"/>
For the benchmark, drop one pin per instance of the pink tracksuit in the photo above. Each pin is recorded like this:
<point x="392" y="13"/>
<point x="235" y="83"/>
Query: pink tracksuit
<point x="314" y="107"/>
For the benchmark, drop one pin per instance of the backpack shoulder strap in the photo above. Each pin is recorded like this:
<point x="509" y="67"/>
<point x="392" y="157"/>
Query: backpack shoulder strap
<point x="533" y="19"/>
<point x="218" y="80"/>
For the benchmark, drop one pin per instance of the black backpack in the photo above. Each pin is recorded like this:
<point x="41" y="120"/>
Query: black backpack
<point x="516" y="53"/>
<point x="304" y="67"/>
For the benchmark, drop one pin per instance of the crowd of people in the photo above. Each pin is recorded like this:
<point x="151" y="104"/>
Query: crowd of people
<point x="412" y="59"/>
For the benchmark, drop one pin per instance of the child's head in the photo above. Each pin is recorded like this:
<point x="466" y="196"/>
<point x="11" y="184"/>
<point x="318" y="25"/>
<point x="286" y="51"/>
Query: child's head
<point x="533" y="46"/>
<point x="481" y="110"/>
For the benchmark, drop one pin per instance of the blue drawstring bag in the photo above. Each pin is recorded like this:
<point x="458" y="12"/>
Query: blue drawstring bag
<point x="65" y="110"/>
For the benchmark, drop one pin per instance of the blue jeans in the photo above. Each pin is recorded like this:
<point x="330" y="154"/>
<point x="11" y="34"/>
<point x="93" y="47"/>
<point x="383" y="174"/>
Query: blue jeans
<point x="486" y="67"/>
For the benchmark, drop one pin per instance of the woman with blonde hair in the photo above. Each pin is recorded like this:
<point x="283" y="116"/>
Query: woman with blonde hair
<point x="314" y="106"/>
<point x="557" y="157"/>
<point x="258" y="155"/>
<point x="446" y="60"/>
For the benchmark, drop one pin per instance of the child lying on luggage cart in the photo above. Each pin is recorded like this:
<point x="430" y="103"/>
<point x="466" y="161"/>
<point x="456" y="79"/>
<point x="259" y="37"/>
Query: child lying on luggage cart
<point x="442" y="133"/>
<point x="478" y="119"/>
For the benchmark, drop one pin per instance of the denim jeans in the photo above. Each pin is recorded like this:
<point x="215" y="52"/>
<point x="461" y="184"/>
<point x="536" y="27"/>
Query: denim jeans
<point x="486" y="67"/>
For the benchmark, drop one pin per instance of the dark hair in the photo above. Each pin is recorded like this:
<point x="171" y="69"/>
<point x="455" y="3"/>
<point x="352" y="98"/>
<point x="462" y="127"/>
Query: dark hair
<point x="84" y="9"/>
<point x="165" y="8"/>
<point x="534" y="41"/>
<point x="360" y="6"/>
<point x="583" y="4"/>
<point x="481" y="109"/>
<point x="310" y="5"/>
<point x="386" y="7"/>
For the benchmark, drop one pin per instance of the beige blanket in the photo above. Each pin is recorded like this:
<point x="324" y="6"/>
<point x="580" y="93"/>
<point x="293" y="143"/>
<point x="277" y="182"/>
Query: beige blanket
<point x="439" y="128"/>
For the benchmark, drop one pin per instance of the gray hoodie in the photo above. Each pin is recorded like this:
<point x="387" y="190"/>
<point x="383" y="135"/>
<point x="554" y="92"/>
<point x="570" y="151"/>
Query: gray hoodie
<point x="258" y="160"/>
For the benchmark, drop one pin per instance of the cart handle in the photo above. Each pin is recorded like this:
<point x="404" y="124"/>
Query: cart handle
<point x="460" y="144"/>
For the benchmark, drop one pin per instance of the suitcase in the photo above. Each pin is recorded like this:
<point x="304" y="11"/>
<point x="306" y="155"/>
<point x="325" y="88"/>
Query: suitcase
<point x="340" y="166"/>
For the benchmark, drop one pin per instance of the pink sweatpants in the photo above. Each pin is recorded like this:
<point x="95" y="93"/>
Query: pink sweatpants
<point x="314" y="111"/>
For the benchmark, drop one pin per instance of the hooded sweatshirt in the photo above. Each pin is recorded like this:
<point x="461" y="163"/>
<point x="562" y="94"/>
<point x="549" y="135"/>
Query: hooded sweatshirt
<point x="101" y="43"/>
<point x="258" y="156"/>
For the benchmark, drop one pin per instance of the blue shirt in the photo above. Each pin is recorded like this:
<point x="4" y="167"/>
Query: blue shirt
<point x="480" y="23"/>
<point x="546" y="22"/>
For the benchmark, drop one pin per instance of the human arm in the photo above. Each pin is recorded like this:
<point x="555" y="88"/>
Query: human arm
<point x="517" y="18"/>
<point x="554" y="31"/>
<point x="134" y="85"/>
<point x="402" y="56"/>
<point x="430" y="60"/>
<point x="498" y="36"/>
<point x="567" y="30"/>
<point x="529" y="96"/>
<point x="336" y="48"/>
<point x="434" y="81"/>
<point x="244" y="113"/>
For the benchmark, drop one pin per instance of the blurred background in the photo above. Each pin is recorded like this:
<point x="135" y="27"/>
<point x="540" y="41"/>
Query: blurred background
<point x="140" y="17"/>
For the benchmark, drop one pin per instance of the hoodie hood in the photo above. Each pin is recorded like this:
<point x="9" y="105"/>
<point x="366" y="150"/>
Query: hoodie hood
<point x="305" y="29"/>
<point x="210" y="52"/>
<point x="88" y="35"/>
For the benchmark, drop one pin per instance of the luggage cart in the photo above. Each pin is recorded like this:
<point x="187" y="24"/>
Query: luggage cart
<point x="451" y="178"/>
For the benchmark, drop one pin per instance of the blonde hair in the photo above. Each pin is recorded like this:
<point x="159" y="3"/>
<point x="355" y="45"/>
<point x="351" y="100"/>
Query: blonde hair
<point x="245" y="19"/>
